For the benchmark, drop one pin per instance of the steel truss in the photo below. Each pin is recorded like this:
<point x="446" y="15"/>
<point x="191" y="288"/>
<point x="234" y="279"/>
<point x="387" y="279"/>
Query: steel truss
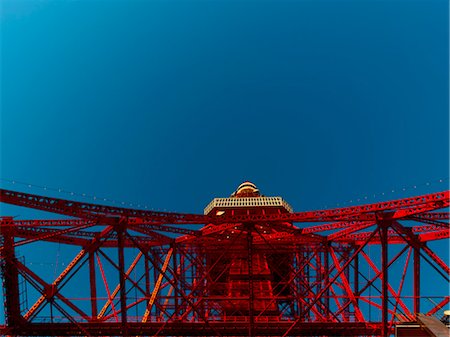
<point x="353" y="271"/>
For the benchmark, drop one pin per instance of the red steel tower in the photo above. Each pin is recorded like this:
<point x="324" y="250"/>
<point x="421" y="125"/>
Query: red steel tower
<point x="248" y="266"/>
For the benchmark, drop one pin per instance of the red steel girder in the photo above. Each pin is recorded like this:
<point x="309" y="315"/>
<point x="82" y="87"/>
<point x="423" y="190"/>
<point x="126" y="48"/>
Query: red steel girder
<point x="429" y="216"/>
<point x="52" y="223"/>
<point x="430" y="232"/>
<point x="56" y="283"/>
<point x="72" y="236"/>
<point x="370" y="212"/>
<point x="39" y="230"/>
<point x="230" y="328"/>
<point x="442" y="234"/>
<point x="414" y="241"/>
<point x="195" y="294"/>
<point x="94" y="211"/>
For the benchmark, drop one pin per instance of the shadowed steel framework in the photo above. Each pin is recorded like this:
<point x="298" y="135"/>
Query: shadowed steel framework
<point x="248" y="266"/>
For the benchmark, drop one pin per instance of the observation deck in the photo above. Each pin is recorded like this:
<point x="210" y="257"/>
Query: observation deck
<point x="221" y="204"/>
<point x="246" y="196"/>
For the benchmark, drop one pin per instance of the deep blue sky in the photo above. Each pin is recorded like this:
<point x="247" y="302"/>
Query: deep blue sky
<point x="171" y="103"/>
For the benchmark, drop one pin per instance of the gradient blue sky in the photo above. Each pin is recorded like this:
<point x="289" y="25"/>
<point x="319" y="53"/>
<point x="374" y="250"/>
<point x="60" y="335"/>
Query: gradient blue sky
<point x="172" y="103"/>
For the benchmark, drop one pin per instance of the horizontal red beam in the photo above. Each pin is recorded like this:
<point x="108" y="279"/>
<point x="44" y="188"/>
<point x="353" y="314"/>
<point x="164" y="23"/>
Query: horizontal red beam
<point x="372" y="212"/>
<point x="395" y="209"/>
<point x="93" y="211"/>
<point x="237" y="327"/>
<point x="431" y="232"/>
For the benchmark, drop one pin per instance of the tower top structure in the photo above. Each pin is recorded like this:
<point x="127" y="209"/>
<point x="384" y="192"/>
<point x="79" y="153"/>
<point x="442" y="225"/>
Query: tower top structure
<point x="246" y="189"/>
<point x="247" y="197"/>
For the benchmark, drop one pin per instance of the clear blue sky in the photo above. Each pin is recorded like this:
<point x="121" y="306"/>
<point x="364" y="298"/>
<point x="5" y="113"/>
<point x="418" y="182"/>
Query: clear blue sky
<point x="172" y="103"/>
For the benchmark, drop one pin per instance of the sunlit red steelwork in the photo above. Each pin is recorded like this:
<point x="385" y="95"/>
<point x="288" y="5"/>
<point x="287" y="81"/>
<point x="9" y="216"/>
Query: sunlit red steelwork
<point x="253" y="267"/>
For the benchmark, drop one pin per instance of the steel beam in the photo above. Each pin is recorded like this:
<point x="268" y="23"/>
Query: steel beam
<point x="10" y="274"/>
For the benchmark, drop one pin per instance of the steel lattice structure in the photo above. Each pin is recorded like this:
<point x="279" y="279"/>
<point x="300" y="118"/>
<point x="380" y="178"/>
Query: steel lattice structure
<point x="253" y="267"/>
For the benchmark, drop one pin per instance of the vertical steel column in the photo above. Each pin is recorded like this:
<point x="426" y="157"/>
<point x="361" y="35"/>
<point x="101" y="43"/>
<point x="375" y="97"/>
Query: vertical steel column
<point x="295" y="283"/>
<point x="356" y="276"/>
<point x="147" y="278"/>
<point x="326" y="263"/>
<point x="175" y="280"/>
<point x="93" y="285"/>
<point x="10" y="274"/>
<point x="156" y="258"/>
<point x="346" y="274"/>
<point x="182" y="277"/>
<point x="147" y="281"/>
<point x="200" y="276"/>
<point x="384" y="278"/>
<point x="416" y="261"/>
<point x="307" y="277"/>
<point x="123" y="291"/>
<point x="316" y="286"/>
<point x="250" y="280"/>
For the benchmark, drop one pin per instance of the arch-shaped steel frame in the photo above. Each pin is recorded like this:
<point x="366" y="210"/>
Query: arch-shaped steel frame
<point x="318" y="261"/>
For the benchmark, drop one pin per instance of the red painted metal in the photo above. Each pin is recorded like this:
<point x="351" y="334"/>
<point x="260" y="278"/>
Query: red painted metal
<point x="248" y="271"/>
